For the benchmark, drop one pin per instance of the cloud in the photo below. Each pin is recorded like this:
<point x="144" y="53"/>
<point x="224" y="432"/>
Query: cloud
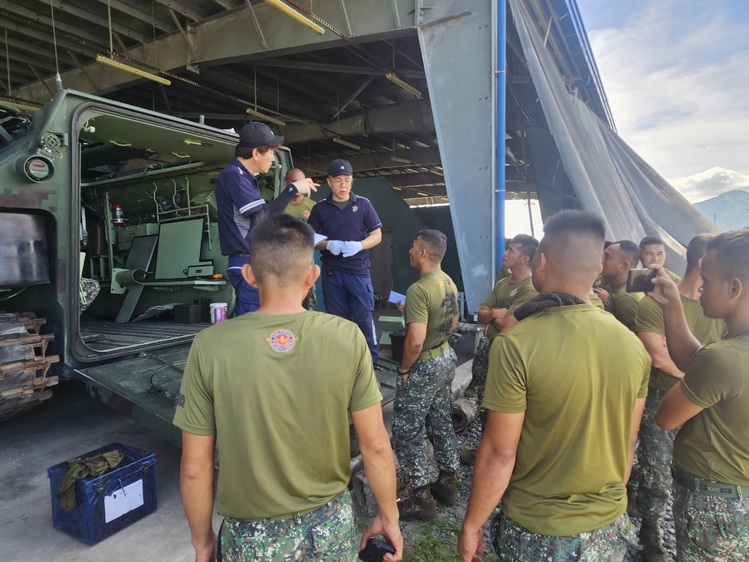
<point x="675" y="74"/>
<point x="710" y="183"/>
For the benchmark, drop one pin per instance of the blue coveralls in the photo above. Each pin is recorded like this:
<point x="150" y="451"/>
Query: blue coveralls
<point x="346" y="282"/>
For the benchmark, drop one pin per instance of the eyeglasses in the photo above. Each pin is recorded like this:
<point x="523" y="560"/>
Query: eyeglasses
<point x="342" y="181"/>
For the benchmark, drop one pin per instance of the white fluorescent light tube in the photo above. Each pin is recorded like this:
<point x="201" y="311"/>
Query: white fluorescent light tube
<point x="395" y="79"/>
<point x="344" y="142"/>
<point x="264" y="117"/>
<point x="132" y="70"/>
<point x="301" y="18"/>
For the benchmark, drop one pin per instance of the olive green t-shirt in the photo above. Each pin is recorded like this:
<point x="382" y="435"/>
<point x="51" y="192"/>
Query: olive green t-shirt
<point x="713" y="445"/>
<point x="672" y="275"/>
<point x="576" y="373"/>
<point x="433" y="300"/>
<point x="650" y="319"/>
<point x="510" y="296"/>
<point x="300" y="210"/>
<point x="596" y="300"/>
<point x="624" y="305"/>
<point x="276" y="392"/>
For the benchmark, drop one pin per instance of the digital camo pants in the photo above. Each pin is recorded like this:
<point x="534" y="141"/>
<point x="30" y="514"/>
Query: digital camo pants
<point x="424" y="402"/>
<point x="480" y="367"/>
<point x="710" y="528"/>
<point x="513" y="543"/>
<point x="327" y="533"/>
<point x="655" y="452"/>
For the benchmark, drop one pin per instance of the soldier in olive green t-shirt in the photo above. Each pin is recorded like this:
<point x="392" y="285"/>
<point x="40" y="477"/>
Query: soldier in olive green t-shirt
<point x="655" y="449"/>
<point x="273" y="390"/>
<point x="618" y="259"/>
<point x="299" y="207"/>
<point x="565" y="393"/>
<point x="497" y="311"/>
<point x="423" y="399"/>
<point x="711" y="404"/>
<point x="554" y="361"/>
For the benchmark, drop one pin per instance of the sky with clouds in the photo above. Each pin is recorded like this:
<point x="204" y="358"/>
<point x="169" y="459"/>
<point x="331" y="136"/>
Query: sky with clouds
<point x="676" y="74"/>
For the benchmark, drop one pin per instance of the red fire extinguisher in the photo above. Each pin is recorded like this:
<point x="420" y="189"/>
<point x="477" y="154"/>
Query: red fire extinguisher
<point x="118" y="215"/>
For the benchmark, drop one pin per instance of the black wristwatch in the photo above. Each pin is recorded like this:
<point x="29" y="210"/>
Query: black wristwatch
<point x="404" y="373"/>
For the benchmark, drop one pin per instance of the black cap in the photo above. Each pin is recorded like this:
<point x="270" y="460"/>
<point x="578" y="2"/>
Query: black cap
<point x="256" y="134"/>
<point x="338" y="167"/>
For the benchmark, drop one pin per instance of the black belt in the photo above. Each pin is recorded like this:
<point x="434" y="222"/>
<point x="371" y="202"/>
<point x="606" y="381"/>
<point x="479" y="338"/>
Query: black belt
<point x="708" y="487"/>
<point x="239" y="256"/>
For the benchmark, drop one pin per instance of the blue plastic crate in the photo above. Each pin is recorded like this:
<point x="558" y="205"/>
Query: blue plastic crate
<point x="110" y="502"/>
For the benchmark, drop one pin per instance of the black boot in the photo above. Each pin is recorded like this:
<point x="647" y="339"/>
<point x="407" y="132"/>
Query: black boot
<point x="652" y="542"/>
<point x="444" y="490"/>
<point x="419" y="506"/>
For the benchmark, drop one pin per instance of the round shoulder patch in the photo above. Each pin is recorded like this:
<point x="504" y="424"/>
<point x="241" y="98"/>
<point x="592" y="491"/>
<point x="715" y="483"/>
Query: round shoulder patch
<point x="282" y="340"/>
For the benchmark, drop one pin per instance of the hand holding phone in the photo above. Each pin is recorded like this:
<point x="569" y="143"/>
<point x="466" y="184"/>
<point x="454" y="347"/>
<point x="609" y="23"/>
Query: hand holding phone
<point x="641" y="280"/>
<point x="375" y="550"/>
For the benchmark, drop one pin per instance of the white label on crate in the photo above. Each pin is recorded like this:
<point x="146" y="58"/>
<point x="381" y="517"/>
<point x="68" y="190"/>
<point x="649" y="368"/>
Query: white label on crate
<point x="123" y="500"/>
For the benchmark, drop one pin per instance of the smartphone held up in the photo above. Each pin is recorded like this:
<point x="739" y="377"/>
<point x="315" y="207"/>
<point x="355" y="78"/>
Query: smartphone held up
<point x="641" y="280"/>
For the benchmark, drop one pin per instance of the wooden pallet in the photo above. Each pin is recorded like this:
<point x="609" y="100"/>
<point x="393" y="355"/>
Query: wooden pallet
<point x="24" y="363"/>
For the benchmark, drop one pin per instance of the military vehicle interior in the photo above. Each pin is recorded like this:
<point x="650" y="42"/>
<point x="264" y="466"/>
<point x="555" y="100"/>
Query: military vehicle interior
<point x="148" y="233"/>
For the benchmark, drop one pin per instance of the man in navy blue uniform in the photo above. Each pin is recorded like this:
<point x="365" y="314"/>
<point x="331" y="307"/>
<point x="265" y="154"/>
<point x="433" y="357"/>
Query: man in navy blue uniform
<point x="353" y="228"/>
<point x="240" y="204"/>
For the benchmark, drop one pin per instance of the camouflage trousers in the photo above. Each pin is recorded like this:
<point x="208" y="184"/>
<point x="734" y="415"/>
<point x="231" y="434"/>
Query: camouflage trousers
<point x="480" y="367"/>
<point x="327" y="533"/>
<point x="424" y="401"/>
<point x="655" y="452"/>
<point x="513" y="543"/>
<point x="709" y="527"/>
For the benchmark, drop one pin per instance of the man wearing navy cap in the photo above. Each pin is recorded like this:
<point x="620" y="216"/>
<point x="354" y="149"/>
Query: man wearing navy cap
<point x="239" y="204"/>
<point x="353" y="228"/>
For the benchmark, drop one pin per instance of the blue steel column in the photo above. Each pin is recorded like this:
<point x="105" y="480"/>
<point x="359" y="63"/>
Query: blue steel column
<point x="500" y="22"/>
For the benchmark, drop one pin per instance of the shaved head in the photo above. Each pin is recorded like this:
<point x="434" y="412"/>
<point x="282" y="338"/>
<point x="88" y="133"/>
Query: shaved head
<point x="571" y="247"/>
<point x="282" y="250"/>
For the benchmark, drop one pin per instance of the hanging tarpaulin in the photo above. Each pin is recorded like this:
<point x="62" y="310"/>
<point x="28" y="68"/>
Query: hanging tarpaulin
<point x="607" y="176"/>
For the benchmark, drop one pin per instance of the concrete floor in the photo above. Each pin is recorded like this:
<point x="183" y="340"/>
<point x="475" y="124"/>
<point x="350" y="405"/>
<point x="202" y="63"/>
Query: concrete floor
<point x="71" y="424"/>
<point x="67" y="425"/>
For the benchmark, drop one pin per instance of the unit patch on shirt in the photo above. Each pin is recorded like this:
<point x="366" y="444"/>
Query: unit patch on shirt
<point x="282" y="340"/>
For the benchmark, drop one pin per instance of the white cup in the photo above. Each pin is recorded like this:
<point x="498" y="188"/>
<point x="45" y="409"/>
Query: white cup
<point x="218" y="312"/>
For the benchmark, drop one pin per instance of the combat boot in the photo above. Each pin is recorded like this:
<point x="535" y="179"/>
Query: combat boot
<point x="444" y="490"/>
<point x="420" y="506"/>
<point x="652" y="542"/>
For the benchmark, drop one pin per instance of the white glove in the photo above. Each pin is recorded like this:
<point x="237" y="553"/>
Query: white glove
<point x="351" y="248"/>
<point x="335" y="246"/>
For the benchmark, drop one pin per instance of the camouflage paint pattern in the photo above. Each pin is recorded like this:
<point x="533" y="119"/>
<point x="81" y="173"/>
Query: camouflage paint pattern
<point x="655" y="451"/>
<point x="327" y="533"/>
<point x="709" y="527"/>
<point x="513" y="543"/>
<point x="424" y="402"/>
<point x="89" y="291"/>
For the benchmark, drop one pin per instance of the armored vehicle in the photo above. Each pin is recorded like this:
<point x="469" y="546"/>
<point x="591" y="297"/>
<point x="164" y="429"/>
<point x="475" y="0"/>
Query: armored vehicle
<point x="109" y="247"/>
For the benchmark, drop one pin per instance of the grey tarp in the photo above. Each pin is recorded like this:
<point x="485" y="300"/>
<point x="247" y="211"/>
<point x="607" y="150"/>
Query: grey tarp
<point x="608" y="177"/>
